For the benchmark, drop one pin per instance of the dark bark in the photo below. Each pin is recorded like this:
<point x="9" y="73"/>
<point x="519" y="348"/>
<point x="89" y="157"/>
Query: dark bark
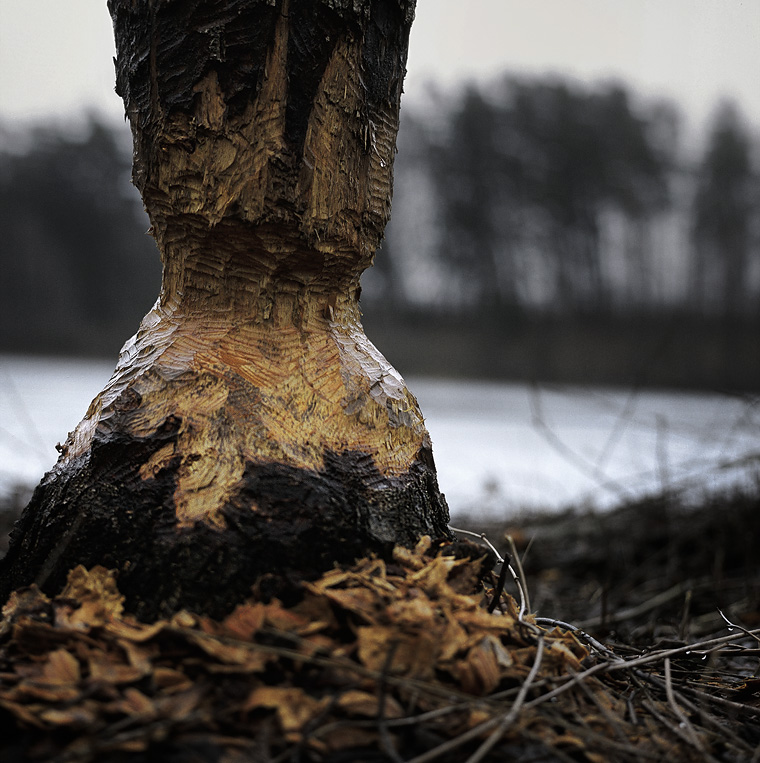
<point x="250" y="428"/>
<point x="304" y="523"/>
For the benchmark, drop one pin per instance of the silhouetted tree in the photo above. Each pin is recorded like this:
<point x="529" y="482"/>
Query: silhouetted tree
<point x="524" y="175"/>
<point x="726" y="203"/>
<point x="587" y="153"/>
<point x="77" y="268"/>
<point x="477" y="201"/>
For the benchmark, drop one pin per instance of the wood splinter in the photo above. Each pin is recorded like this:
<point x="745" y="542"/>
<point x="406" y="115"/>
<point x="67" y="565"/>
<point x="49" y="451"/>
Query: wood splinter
<point x="250" y="427"/>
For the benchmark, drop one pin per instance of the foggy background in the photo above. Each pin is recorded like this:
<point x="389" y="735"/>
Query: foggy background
<point x="542" y="229"/>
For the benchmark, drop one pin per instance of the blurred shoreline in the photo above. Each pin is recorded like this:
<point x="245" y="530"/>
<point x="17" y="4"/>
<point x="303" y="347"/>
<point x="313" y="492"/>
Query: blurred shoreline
<point x="679" y="351"/>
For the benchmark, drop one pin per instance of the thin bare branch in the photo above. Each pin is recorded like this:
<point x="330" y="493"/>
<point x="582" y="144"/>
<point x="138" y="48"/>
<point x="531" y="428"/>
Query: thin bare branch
<point x="525" y="604"/>
<point x="732" y="626"/>
<point x="685" y="723"/>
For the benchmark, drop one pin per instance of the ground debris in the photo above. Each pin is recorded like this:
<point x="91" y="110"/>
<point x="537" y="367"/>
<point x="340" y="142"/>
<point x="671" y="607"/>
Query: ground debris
<point x="659" y="569"/>
<point x="398" y="660"/>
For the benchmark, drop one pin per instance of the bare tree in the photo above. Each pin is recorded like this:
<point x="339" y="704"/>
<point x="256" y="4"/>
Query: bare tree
<point x="722" y="226"/>
<point x="73" y="245"/>
<point x="250" y="427"/>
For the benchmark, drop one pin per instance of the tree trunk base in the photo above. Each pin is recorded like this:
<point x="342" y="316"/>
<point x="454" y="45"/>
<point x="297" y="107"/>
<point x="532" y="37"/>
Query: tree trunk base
<point x="283" y="522"/>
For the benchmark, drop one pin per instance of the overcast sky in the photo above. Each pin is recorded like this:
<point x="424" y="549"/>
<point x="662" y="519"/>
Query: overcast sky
<point x="55" y="55"/>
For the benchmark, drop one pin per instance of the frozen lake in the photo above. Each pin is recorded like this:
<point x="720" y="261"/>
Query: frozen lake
<point x="499" y="448"/>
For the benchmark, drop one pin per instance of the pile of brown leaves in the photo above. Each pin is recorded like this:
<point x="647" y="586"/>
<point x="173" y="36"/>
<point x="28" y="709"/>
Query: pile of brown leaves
<point x="381" y="661"/>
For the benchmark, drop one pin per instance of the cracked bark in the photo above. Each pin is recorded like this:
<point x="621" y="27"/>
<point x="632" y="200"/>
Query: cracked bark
<point x="250" y="427"/>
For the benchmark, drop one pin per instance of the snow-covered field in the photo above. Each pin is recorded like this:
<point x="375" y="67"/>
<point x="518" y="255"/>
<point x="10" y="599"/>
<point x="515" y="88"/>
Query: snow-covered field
<point x="499" y="448"/>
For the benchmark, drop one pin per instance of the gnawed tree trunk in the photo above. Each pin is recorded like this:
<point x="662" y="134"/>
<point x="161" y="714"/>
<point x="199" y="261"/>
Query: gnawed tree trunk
<point x="250" y="427"/>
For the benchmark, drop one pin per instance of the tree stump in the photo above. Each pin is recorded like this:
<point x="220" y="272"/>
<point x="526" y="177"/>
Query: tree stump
<point x="250" y="427"/>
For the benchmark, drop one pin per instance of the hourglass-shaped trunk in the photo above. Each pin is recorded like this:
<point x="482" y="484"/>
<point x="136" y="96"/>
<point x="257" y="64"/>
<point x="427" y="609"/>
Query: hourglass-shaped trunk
<point x="250" y="427"/>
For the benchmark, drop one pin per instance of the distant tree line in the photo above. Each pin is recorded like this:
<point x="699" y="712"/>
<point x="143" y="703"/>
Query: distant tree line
<point x="77" y="271"/>
<point x="527" y="197"/>
<point x="541" y="196"/>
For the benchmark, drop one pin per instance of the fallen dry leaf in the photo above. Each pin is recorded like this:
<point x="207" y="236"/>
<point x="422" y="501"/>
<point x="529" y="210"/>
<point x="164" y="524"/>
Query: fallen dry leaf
<point x="388" y="649"/>
<point x="132" y="630"/>
<point x="61" y="669"/>
<point x="135" y="703"/>
<point x="342" y="738"/>
<point x="96" y="593"/>
<point x="24" y="601"/>
<point x="170" y="680"/>
<point x="294" y="707"/>
<point x="27" y="713"/>
<point x="479" y="672"/>
<point x="356" y="702"/>
<point x="106" y="670"/>
<point x="240" y="655"/>
<point x="416" y="610"/>
<point x="80" y="716"/>
<point x="245" y="620"/>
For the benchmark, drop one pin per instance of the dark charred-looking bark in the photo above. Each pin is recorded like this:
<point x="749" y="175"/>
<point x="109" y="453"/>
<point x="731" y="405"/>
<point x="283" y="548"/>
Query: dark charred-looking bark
<point x="250" y="428"/>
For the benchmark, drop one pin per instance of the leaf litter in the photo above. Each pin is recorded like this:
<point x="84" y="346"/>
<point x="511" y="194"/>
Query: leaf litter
<point x="398" y="660"/>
